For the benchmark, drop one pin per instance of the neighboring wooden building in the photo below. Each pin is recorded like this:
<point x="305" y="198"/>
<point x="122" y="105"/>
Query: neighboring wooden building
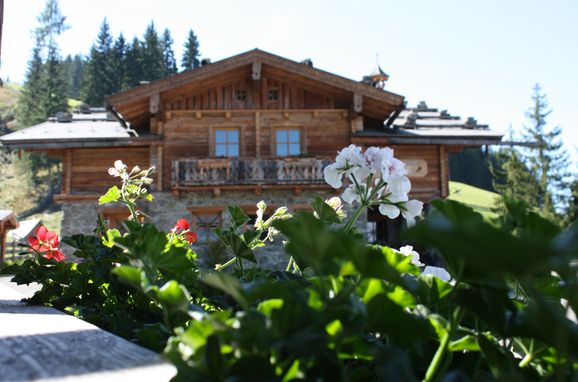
<point x="254" y="126"/>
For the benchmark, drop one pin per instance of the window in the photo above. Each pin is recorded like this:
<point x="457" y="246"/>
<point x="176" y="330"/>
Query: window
<point x="288" y="142"/>
<point x="227" y="143"/>
<point x="204" y="221"/>
<point x="241" y="95"/>
<point x="273" y="94"/>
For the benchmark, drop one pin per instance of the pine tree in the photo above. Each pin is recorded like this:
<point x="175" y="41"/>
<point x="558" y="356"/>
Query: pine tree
<point x="152" y="55"/>
<point x="512" y="177"/>
<point x="119" y="51"/>
<point x="572" y="213"/>
<point x="191" y="53"/>
<point x="44" y="91"/>
<point x="100" y="73"/>
<point x="548" y="161"/>
<point x="169" y="61"/>
<point x="134" y="64"/>
<point x="29" y="110"/>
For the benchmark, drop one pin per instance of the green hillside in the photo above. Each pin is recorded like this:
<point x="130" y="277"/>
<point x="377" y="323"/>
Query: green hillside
<point x="481" y="200"/>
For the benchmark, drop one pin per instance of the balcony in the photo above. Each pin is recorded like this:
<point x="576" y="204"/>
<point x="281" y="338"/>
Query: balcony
<point x="233" y="171"/>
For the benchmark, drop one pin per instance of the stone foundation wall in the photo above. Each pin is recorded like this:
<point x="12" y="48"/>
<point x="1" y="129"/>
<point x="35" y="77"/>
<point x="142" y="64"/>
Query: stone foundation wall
<point x="166" y="209"/>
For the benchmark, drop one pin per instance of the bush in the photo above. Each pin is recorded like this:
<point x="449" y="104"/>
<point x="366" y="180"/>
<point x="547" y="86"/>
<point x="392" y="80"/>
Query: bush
<point x="343" y="309"/>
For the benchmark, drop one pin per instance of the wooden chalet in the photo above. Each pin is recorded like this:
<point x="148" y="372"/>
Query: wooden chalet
<point x="250" y="124"/>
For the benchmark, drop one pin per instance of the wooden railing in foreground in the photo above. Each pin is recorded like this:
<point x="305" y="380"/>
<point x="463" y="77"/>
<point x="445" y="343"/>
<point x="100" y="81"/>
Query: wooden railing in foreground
<point x="232" y="171"/>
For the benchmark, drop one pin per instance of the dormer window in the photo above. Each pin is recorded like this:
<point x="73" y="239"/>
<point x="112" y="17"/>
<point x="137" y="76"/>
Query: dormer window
<point x="273" y="94"/>
<point x="241" y="95"/>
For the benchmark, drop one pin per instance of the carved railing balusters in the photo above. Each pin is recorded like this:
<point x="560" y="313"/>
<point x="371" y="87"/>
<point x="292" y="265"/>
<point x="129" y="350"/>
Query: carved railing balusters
<point x="199" y="172"/>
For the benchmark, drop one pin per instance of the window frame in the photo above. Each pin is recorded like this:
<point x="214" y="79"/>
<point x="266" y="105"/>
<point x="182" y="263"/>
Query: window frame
<point x="208" y="225"/>
<point x="288" y="143"/>
<point x="214" y="143"/>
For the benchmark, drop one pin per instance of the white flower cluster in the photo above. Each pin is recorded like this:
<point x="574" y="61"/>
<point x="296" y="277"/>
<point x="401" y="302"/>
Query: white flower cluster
<point x="438" y="272"/>
<point x="375" y="177"/>
<point x="120" y="170"/>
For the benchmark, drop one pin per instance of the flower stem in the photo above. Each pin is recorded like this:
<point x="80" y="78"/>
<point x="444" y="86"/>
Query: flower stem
<point x="354" y="217"/>
<point x="220" y="267"/>
<point x="438" y="358"/>
<point x="289" y="264"/>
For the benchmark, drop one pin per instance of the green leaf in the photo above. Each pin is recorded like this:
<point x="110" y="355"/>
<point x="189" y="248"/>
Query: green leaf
<point x="238" y="216"/>
<point x="324" y="211"/>
<point x="111" y="236"/>
<point x="129" y="275"/>
<point x="227" y="284"/>
<point x="497" y="360"/>
<point x="112" y="195"/>
<point x="173" y="297"/>
<point x="467" y="342"/>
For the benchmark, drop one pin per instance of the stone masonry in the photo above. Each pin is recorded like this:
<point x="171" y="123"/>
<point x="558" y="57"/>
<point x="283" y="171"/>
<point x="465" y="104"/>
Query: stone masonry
<point x="167" y="208"/>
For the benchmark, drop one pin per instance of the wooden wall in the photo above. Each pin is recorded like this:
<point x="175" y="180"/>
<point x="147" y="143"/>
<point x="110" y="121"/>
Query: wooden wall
<point x="89" y="167"/>
<point x="189" y="134"/>
<point x="223" y="96"/>
<point x="428" y="186"/>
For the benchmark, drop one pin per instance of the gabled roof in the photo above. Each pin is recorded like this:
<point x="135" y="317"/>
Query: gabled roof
<point x="81" y="130"/>
<point x="426" y="125"/>
<point x="127" y="102"/>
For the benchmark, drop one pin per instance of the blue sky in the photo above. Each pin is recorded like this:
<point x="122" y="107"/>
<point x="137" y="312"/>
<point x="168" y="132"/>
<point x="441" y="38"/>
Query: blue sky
<point x="474" y="58"/>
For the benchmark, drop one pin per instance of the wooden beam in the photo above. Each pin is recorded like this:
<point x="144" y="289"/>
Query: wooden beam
<point x="67" y="172"/>
<point x="160" y="168"/>
<point x="257" y="134"/>
<point x="444" y="178"/>
<point x="154" y="102"/>
<point x="357" y="102"/>
<point x="256" y="73"/>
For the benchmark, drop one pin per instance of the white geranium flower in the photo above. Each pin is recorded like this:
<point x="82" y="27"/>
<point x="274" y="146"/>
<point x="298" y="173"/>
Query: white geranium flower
<point x="389" y="210"/>
<point x="350" y="195"/>
<point x="332" y="175"/>
<point x="118" y="169"/>
<point x="395" y="168"/>
<point x="399" y="185"/>
<point x="408" y="251"/>
<point x="335" y="203"/>
<point x="412" y="210"/>
<point x="438" y="272"/>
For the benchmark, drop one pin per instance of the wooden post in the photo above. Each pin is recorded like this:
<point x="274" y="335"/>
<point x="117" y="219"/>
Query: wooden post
<point x="2" y="243"/>
<point x="444" y="178"/>
<point x="257" y="134"/>
<point x="160" y="168"/>
<point x="68" y="172"/>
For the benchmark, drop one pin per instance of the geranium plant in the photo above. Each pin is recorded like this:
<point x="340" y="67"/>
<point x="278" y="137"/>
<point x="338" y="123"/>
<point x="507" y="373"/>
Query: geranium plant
<point x="344" y="310"/>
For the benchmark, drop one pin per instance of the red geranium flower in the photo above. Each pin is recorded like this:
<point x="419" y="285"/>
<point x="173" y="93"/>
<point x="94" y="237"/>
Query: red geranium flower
<point x="54" y="254"/>
<point x="182" y="225"/>
<point x="44" y="241"/>
<point x="191" y="237"/>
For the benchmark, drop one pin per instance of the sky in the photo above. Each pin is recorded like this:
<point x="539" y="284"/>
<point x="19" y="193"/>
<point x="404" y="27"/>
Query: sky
<point x="473" y="58"/>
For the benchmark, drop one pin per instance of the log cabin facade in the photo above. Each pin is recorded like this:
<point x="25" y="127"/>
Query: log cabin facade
<point x="252" y="127"/>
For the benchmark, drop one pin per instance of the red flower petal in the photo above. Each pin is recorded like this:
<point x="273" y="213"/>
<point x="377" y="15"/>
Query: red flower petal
<point x="52" y="238"/>
<point x="55" y="254"/>
<point x="182" y="224"/>
<point x="191" y="237"/>
<point x="41" y="233"/>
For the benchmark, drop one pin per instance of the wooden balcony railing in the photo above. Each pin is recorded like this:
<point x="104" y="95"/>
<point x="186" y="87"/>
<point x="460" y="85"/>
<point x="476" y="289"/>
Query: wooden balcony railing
<point x="232" y="171"/>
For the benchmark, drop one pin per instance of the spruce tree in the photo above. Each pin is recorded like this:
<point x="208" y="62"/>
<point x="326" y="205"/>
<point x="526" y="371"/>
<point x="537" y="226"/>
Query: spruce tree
<point x="119" y="51"/>
<point x="100" y="74"/>
<point x="29" y="110"/>
<point x="191" y="53"/>
<point x="169" y="61"/>
<point x="152" y="55"/>
<point x="44" y="92"/>
<point x="512" y="177"/>
<point x="134" y="64"/>
<point x="548" y="161"/>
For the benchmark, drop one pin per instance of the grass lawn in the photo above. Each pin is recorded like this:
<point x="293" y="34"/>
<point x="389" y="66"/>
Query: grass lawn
<point x="481" y="200"/>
